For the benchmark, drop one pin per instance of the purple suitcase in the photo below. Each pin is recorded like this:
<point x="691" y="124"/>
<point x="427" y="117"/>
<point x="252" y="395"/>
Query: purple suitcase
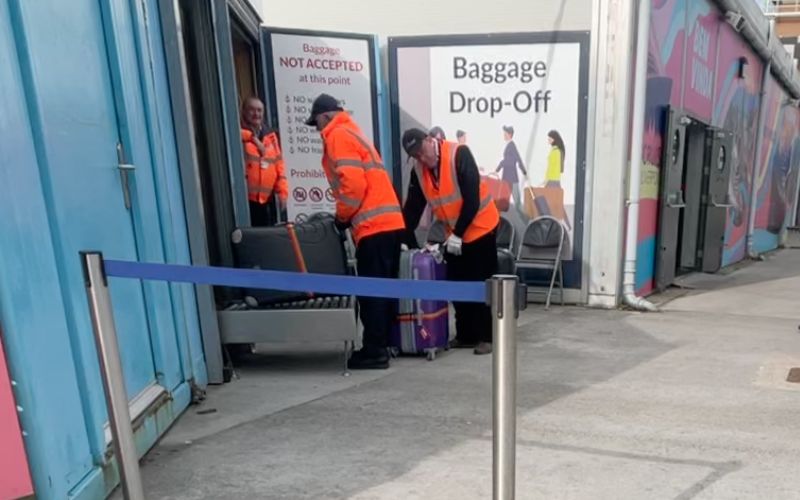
<point x="422" y="325"/>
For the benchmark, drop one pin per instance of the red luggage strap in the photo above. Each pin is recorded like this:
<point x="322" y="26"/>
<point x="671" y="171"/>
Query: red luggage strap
<point x="298" y="252"/>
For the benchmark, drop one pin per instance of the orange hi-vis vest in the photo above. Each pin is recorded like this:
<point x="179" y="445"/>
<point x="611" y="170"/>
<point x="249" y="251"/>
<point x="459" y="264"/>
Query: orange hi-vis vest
<point x="361" y="186"/>
<point x="445" y="198"/>
<point x="265" y="170"/>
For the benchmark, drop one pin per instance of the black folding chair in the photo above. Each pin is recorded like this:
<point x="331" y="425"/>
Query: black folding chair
<point x="542" y="247"/>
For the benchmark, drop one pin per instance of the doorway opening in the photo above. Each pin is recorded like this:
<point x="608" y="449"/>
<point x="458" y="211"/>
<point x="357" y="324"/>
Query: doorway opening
<point x="217" y="85"/>
<point x="692" y="187"/>
<point x="693" y="196"/>
<point x="245" y="64"/>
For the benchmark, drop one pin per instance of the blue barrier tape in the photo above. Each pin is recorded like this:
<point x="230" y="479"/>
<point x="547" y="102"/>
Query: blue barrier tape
<point x="456" y="291"/>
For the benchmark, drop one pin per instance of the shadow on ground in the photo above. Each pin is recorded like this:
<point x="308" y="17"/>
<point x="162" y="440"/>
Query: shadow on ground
<point x="747" y="272"/>
<point x="352" y="440"/>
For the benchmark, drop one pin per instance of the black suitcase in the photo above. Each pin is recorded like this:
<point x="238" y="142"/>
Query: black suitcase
<point x="506" y="263"/>
<point x="318" y="248"/>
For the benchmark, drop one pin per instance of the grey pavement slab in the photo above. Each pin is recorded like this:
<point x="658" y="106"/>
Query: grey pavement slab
<point x="688" y="403"/>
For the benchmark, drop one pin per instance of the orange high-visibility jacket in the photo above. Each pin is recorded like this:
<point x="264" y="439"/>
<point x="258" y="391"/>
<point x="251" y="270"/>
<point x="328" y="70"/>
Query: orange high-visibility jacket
<point x="265" y="170"/>
<point x="445" y="199"/>
<point x="361" y="186"/>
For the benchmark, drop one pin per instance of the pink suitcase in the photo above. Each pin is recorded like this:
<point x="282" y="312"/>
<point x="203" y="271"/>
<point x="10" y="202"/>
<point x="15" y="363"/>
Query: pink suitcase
<point x="422" y="325"/>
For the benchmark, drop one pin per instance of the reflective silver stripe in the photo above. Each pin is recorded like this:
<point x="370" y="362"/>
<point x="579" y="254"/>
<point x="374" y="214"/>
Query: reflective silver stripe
<point x="453" y="176"/>
<point x="348" y="163"/>
<point x="366" y="165"/>
<point x="450" y="199"/>
<point x="453" y="198"/>
<point x="368" y="214"/>
<point x="451" y="222"/>
<point x="268" y="161"/>
<point x="260" y="189"/>
<point x="456" y="196"/>
<point x="376" y="163"/>
<point x="336" y="185"/>
<point x="352" y="202"/>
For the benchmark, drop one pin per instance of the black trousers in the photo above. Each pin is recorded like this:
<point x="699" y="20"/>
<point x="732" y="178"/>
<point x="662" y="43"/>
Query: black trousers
<point x="477" y="262"/>
<point x="265" y="214"/>
<point x="378" y="257"/>
<point x="262" y="214"/>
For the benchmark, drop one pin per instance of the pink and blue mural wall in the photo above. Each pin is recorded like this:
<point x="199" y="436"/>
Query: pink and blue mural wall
<point x="694" y="64"/>
<point x="736" y="106"/>
<point x="778" y="168"/>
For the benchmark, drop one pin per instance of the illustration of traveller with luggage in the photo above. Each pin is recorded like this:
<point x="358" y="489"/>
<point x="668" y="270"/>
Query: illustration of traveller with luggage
<point x="507" y="185"/>
<point x="548" y="199"/>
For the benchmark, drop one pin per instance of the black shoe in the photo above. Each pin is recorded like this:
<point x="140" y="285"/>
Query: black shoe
<point x="369" y="359"/>
<point x="460" y="344"/>
<point x="483" y="348"/>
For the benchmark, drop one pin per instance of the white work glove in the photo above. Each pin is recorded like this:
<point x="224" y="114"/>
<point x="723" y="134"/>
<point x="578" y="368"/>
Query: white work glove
<point x="403" y="247"/>
<point x="453" y="244"/>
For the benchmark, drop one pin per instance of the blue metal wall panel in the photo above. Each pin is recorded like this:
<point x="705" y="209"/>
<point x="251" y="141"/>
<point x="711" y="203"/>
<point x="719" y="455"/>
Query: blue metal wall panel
<point x="71" y="108"/>
<point x="168" y="184"/>
<point x="65" y="91"/>
<point x="125" y="73"/>
<point x="384" y="118"/>
<point x="36" y="337"/>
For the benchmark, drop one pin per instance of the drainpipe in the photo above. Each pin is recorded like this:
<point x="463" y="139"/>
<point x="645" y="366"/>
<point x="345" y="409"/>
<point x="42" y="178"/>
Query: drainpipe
<point x="762" y="118"/>
<point x="637" y="139"/>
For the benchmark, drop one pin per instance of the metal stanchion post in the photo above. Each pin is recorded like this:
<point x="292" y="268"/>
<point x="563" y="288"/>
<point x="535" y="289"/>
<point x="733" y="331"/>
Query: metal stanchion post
<point x="105" y="336"/>
<point x="506" y="298"/>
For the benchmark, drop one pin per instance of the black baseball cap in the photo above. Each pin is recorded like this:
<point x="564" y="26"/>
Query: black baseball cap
<point x="324" y="103"/>
<point x="412" y="140"/>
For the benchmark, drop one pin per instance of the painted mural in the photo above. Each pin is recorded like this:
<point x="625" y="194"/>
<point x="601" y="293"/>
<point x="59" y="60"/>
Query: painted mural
<point x="698" y="63"/>
<point x="736" y="109"/>
<point x="778" y="167"/>
<point x="664" y="89"/>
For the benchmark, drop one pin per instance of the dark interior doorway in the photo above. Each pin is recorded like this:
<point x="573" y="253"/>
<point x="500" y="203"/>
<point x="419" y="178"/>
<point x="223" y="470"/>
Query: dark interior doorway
<point x="693" y="197"/>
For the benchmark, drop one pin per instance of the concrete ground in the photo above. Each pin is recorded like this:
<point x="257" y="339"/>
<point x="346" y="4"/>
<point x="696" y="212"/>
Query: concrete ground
<point x="688" y="403"/>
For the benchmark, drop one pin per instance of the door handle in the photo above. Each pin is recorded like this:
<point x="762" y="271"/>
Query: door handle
<point x="124" y="168"/>
<point x="726" y="204"/>
<point x="675" y="200"/>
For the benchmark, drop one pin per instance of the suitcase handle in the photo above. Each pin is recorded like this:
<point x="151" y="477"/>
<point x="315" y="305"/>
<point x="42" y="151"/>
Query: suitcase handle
<point x="418" y="301"/>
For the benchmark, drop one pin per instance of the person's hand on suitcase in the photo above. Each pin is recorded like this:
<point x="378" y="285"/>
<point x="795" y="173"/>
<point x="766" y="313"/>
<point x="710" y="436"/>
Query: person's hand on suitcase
<point x="453" y="244"/>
